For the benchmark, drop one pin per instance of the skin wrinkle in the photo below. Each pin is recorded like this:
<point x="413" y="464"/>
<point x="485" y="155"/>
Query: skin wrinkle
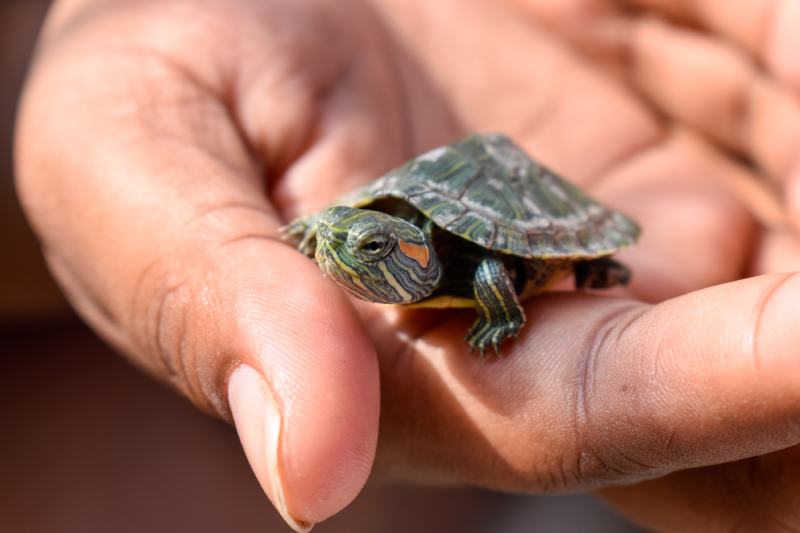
<point x="138" y="294"/>
<point x="162" y="139"/>
<point x="230" y="101"/>
<point x="758" y="315"/>
<point x="314" y="133"/>
<point x="276" y="160"/>
<point x="640" y="466"/>
<point x="588" y="365"/>
<point x="165" y="331"/>
<point x="668" y="444"/>
<point x="177" y="67"/>
<point x="177" y="75"/>
<point x="173" y="330"/>
<point x="562" y="480"/>
<point x="153" y="134"/>
<point x="234" y="205"/>
<point x="168" y="330"/>
<point x="742" y="107"/>
<point x="253" y="236"/>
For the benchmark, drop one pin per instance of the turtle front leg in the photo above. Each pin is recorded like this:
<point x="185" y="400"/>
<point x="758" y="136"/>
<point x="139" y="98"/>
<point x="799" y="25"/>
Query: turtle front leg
<point x="500" y="314"/>
<point x="303" y="233"/>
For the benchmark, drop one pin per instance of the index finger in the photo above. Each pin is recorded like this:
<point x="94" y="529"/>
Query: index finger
<point x="767" y="28"/>
<point x="601" y="391"/>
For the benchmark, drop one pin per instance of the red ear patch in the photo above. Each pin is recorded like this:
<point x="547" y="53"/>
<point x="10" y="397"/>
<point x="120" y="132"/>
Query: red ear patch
<point x="417" y="252"/>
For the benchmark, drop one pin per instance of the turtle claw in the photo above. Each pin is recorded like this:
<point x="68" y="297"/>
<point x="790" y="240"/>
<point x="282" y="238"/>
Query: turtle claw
<point x="302" y="232"/>
<point x="483" y="336"/>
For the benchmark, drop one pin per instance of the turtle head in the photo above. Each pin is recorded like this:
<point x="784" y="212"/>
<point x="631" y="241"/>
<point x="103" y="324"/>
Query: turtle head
<point x="375" y="256"/>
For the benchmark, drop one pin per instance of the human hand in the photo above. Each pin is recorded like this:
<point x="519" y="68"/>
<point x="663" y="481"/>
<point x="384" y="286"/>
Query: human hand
<point x="734" y="78"/>
<point x="162" y="143"/>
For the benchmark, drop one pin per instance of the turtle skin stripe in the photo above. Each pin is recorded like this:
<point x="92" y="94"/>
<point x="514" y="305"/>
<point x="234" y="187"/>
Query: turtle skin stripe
<point x="500" y="314"/>
<point x="401" y="277"/>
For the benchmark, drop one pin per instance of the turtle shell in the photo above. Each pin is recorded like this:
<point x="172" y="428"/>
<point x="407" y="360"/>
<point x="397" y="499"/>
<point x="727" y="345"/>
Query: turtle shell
<point x="487" y="190"/>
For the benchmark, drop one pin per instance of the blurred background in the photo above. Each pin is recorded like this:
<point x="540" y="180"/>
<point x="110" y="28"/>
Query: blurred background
<point x="89" y="444"/>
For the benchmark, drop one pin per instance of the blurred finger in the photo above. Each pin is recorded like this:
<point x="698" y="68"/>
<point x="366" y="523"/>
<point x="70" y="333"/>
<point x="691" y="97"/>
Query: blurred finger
<point x="713" y="87"/>
<point x="697" y="230"/>
<point x="766" y="28"/>
<point x="779" y="251"/>
<point x="501" y="73"/>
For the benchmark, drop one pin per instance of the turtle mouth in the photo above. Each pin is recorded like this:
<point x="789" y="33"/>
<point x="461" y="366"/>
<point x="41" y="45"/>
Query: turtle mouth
<point x="327" y="263"/>
<point x="324" y="259"/>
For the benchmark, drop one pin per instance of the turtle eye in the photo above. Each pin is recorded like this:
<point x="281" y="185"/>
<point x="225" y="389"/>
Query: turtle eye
<point x="375" y="246"/>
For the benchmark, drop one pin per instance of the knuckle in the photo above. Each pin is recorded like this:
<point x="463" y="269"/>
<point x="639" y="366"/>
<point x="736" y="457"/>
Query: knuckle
<point x="157" y="318"/>
<point x="177" y="312"/>
<point x="165" y="303"/>
<point x="607" y="448"/>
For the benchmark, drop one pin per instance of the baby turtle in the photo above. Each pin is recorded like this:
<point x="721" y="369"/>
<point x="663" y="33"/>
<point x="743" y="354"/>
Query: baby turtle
<point x="476" y="223"/>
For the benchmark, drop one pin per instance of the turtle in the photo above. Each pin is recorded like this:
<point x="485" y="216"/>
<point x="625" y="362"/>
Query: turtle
<point x="476" y="223"/>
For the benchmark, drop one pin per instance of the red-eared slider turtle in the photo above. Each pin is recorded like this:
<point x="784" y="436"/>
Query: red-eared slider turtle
<point x="476" y="223"/>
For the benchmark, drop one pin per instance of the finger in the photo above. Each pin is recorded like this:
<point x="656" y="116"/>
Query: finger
<point x="154" y="218"/>
<point x="338" y="116"/>
<point x="766" y="28"/>
<point x="600" y="391"/>
<point x="779" y="251"/>
<point x="590" y="128"/>
<point x="501" y="73"/>
<point x="696" y="229"/>
<point x="712" y="87"/>
<point x="704" y="82"/>
<point x="755" y="494"/>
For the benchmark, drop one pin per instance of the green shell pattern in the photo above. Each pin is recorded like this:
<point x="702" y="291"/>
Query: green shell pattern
<point x="489" y="191"/>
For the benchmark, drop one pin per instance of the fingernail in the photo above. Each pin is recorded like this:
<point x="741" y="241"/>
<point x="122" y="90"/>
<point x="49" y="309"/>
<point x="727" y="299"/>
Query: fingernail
<point x="258" y="422"/>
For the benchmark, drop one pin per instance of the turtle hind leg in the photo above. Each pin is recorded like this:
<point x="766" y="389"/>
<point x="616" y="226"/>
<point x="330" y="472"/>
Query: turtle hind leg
<point x="500" y="315"/>
<point x="602" y="273"/>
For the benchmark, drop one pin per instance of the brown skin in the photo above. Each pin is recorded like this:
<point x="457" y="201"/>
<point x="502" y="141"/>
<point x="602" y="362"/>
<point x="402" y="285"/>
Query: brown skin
<point x="162" y="143"/>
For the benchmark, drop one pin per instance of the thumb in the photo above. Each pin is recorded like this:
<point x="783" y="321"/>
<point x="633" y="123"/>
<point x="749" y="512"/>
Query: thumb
<point x="162" y="238"/>
<point x="305" y="396"/>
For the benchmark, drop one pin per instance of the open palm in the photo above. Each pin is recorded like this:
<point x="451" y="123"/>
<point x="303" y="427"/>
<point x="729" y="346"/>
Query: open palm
<point x="192" y="130"/>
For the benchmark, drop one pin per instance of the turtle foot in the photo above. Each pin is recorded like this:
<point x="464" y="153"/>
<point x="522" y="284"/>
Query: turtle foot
<point x="302" y="232"/>
<point x="483" y="335"/>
